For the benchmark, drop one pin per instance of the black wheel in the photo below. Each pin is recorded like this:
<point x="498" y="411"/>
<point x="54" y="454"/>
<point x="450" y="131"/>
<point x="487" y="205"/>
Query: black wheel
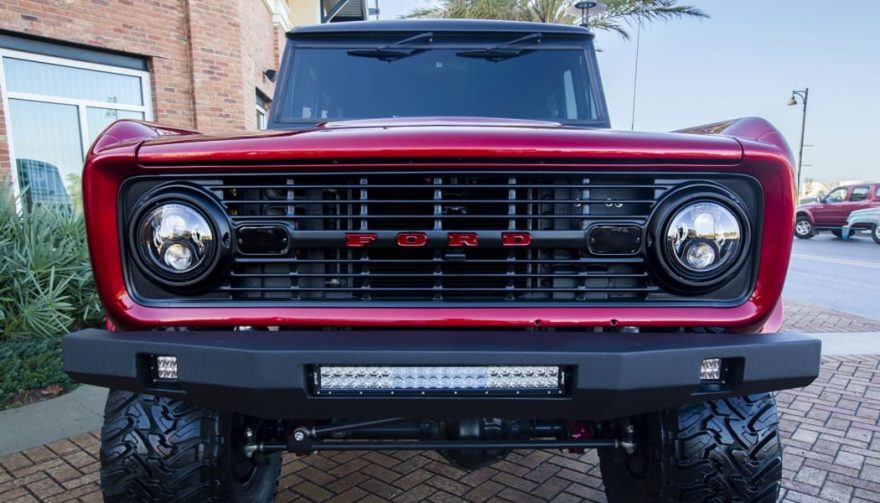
<point x="838" y="233"/>
<point x="803" y="228"/>
<point x="726" y="450"/>
<point x="875" y="233"/>
<point x="158" y="449"/>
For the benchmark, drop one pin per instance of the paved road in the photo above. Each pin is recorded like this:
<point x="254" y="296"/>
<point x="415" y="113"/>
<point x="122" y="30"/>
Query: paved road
<point x="836" y="274"/>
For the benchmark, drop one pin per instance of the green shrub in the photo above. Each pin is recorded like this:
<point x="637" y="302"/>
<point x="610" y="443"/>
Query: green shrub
<point x="46" y="285"/>
<point x="28" y="364"/>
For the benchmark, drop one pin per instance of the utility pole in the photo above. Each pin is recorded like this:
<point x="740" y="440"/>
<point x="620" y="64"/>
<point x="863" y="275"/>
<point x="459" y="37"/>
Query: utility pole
<point x="804" y="96"/>
<point x="632" y="124"/>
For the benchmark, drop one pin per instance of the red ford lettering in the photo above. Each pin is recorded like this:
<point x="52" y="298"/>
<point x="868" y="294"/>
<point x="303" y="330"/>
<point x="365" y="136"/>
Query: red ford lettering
<point x="509" y="239"/>
<point x="359" y="239"/>
<point x="463" y="239"/>
<point x="412" y="239"/>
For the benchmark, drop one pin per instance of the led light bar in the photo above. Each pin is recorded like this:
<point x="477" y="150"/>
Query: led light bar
<point x="474" y="378"/>
<point x="710" y="369"/>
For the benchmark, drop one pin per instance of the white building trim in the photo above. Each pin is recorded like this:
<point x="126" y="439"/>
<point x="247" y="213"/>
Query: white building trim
<point x="280" y="13"/>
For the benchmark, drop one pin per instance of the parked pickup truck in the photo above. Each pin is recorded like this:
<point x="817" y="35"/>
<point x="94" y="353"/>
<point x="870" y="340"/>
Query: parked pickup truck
<point x="441" y="245"/>
<point x="829" y="213"/>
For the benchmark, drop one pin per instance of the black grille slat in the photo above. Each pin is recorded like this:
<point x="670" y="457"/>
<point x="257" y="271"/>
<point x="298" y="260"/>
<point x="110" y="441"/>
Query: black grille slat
<point x="605" y="260"/>
<point x="537" y="202"/>
<point x="431" y="275"/>
<point x="470" y="201"/>
<point x="430" y="217"/>
<point x="456" y="289"/>
<point x="225" y="186"/>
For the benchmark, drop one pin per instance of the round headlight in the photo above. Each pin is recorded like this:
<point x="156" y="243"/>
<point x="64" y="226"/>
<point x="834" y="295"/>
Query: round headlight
<point x="697" y="238"/>
<point x="176" y="238"/>
<point x="180" y="237"/>
<point x="703" y="237"/>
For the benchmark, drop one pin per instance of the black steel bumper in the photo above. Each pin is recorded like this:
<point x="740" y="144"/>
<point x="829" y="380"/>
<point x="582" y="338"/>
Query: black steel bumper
<point x="267" y="374"/>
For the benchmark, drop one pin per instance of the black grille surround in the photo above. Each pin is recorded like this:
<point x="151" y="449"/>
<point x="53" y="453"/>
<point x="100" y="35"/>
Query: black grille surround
<point x="558" y="210"/>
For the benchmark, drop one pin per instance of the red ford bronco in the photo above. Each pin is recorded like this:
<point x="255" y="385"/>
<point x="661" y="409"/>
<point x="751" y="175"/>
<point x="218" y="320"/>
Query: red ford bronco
<point x="441" y="245"/>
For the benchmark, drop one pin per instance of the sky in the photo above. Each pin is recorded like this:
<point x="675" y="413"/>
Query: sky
<point x="745" y="60"/>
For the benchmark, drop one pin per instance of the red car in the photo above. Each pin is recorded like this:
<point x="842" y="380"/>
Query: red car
<point x="829" y="213"/>
<point x="441" y="245"/>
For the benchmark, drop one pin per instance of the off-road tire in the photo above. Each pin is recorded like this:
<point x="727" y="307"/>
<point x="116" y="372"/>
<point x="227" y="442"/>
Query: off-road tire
<point x="725" y="450"/>
<point x="875" y="234"/>
<point x="158" y="449"/>
<point x="803" y="228"/>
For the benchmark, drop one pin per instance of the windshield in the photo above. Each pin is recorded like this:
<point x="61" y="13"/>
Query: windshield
<point x="341" y="84"/>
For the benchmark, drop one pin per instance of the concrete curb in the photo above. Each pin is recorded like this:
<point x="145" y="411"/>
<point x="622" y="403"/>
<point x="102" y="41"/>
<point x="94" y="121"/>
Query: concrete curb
<point x="79" y="411"/>
<point x="82" y="410"/>
<point x="853" y="343"/>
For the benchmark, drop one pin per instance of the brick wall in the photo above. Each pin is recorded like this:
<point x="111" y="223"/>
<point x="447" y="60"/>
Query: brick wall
<point x="260" y="51"/>
<point x="206" y="57"/>
<point x="215" y="30"/>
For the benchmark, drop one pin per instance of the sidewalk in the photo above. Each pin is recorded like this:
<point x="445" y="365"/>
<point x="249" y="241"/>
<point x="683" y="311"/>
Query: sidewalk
<point x="79" y="411"/>
<point x="808" y="318"/>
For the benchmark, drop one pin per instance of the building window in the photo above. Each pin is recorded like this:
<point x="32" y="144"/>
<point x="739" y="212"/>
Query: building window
<point x="55" y="108"/>
<point x="263" y="104"/>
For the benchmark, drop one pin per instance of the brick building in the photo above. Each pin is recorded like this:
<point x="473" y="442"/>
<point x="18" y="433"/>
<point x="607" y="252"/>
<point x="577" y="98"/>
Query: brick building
<point x="68" y="68"/>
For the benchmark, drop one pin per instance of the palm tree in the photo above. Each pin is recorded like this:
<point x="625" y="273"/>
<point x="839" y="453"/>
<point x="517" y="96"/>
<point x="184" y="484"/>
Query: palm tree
<point x="616" y="16"/>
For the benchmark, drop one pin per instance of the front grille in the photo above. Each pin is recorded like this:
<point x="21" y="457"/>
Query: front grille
<point x="320" y="209"/>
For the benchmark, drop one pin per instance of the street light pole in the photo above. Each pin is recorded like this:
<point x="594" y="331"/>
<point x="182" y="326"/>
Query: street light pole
<point x="804" y="96"/>
<point x="588" y="7"/>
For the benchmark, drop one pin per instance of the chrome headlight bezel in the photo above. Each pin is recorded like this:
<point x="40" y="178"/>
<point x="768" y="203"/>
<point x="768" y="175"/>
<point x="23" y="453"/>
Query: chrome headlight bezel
<point x="666" y="263"/>
<point x="720" y="250"/>
<point x="215" y="259"/>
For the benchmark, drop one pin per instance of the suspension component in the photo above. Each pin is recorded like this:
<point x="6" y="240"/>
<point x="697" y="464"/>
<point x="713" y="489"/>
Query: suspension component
<point x="415" y="434"/>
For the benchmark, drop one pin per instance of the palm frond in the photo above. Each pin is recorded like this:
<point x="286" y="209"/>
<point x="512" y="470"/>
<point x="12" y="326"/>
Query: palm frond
<point x="634" y="11"/>
<point x="617" y="14"/>
<point x="46" y="285"/>
<point x="609" y="24"/>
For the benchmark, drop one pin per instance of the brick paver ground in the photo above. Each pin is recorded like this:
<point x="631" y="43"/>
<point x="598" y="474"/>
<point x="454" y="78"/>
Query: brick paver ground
<point x="832" y="453"/>
<point x="814" y="319"/>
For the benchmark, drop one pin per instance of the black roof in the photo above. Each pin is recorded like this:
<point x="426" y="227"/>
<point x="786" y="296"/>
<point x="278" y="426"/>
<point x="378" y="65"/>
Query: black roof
<point x="441" y="25"/>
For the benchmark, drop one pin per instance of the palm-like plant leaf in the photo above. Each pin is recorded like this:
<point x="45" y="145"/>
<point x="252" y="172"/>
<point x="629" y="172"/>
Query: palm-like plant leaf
<point x="618" y="15"/>
<point x="46" y="285"/>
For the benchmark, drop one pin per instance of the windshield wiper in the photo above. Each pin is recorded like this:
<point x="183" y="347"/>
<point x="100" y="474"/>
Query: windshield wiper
<point x="394" y="51"/>
<point x="503" y="51"/>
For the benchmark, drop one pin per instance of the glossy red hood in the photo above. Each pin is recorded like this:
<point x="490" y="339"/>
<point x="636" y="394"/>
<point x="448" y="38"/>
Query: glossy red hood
<point x="439" y="138"/>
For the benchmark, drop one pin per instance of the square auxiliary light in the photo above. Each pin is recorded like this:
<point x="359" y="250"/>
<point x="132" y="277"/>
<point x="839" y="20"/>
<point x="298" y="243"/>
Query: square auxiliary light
<point x="166" y="368"/>
<point x="710" y="369"/>
<point x="437" y="378"/>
